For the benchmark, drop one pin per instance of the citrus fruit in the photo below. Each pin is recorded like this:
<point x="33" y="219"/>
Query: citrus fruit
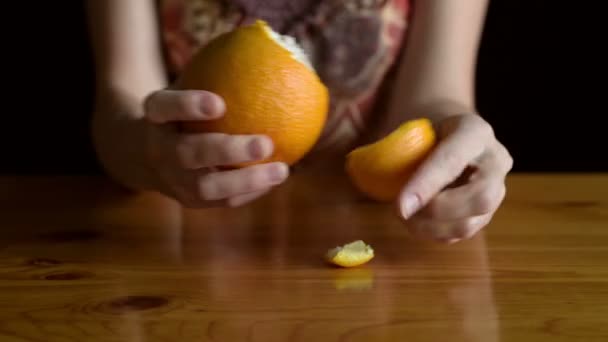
<point x="382" y="168"/>
<point x="269" y="87"/>
<point x="350" y="255"/>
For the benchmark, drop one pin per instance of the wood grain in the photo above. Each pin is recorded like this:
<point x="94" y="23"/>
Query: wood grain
<point x="82" y="260"/>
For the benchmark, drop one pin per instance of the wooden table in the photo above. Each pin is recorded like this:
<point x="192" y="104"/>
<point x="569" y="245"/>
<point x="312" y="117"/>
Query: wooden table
<point x="81" y="260"/>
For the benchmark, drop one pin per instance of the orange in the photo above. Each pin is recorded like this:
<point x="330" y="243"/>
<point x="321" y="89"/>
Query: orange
<point x="268" y="85"/>
<point x="382" y="168"/>
<point x="350" y="255"/>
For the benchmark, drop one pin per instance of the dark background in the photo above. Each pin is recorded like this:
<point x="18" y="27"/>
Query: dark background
<point x="535" y="65"/>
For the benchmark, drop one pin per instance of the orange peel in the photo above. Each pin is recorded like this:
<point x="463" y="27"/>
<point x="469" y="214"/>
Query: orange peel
<point x="381" y="169"/>
<point x="352" y="254"/>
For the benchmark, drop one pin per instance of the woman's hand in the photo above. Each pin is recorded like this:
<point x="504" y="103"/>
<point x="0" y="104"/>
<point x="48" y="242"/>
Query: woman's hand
<point x="459" y="187"/>
<point x="184" y="166"/>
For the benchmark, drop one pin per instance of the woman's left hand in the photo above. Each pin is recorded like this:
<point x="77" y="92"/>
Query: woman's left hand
<point x="458" y="188"/>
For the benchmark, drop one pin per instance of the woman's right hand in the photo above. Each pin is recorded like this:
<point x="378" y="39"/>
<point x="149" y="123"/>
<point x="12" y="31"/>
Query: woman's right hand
<point x="185" y="166"/>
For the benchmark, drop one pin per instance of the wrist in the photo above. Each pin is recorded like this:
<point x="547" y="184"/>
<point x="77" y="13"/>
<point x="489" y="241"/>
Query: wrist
<point x="439" y="110"/>
<point x="119" y="138"/>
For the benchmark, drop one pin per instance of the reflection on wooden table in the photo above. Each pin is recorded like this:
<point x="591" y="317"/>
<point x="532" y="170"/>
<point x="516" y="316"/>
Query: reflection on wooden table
<point x="82" y="261"/>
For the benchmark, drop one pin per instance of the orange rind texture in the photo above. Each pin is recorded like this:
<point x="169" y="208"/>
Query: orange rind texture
<point x="352" y="254"/>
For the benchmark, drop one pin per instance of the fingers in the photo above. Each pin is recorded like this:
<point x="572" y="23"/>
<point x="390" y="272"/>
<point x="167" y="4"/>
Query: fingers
<point x="170" y="105"/>
<point x="215" y="149"/>
<point x="444" y="200"/>
<point x="503" y="158"/>
<point x="481" y="196"/>
<point x="224" y="185"/>
<point x="460" y="212"/>
<point x="182" y="163"/>
<point x="445" y="164"/>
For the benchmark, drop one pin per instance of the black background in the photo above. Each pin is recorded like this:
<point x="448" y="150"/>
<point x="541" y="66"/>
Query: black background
<point x="536" y="64"/>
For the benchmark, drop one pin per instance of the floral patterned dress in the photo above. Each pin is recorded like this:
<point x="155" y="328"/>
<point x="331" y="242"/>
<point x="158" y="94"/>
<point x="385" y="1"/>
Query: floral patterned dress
<point x="352" y="43"/>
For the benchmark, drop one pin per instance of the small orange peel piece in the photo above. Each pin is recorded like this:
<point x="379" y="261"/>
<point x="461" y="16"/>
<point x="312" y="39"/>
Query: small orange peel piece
<point x="352" y="254"/>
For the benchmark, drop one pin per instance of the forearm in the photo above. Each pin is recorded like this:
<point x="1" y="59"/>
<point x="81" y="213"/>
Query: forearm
<point x="437" y="70"/>
<point x="128" y="66"/>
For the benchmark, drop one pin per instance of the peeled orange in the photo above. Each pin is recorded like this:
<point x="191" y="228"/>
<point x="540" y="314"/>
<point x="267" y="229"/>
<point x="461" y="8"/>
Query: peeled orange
<point x="350" y="255"/>
<point x="382" y="168"/>
<point x="268" y="85"/>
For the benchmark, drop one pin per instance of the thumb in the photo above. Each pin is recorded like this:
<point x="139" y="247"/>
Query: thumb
<point x="443" y="166"/>
<point x="183" y="105"/>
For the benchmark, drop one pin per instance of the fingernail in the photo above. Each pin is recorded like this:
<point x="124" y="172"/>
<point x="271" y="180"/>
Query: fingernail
<point x="277" y="172"/>
<point x="410" y="205"/>
<point x="259" y="148"/>
<point x="212" y="106"/>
